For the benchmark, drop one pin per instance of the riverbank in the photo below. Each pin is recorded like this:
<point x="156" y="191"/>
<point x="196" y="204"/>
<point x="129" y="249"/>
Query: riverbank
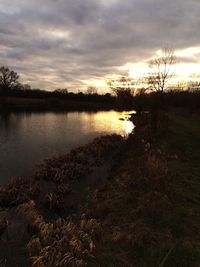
<point x="58" y="189"/>
<point x="142" y="208"/>
<point x="149" y="210"/>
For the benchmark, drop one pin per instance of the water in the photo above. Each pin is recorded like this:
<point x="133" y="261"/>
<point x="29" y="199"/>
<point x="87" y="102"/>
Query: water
<point x="28" y="138"/>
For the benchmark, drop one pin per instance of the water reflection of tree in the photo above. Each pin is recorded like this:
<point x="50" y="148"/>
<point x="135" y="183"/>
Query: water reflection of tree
<point x="9" y="121"/>
<point x="5" y="121"/>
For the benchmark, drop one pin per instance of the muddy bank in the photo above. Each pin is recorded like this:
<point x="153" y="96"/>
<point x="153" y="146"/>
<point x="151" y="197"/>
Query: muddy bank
<point x="41" y="215"/>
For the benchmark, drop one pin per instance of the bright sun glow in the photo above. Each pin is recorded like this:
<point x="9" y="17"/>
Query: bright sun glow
<point x="188" y="52"/>
<point x="183" y="71"/>
<point x="98" y="83"/>
<point x="135" y="70"/>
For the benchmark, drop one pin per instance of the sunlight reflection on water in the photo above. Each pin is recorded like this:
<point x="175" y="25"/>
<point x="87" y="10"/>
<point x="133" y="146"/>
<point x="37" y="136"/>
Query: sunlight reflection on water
<point x="28" y="138"/>
<point x="108" y="122"/>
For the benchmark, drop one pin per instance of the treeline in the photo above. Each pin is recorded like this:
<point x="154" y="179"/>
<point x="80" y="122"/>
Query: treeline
<point x="14" y="95"/>
<point x="35" y="99"/>
<point x="59" y="94"/>
<point x="172" y="98"/>
<point x="124" y="100"/>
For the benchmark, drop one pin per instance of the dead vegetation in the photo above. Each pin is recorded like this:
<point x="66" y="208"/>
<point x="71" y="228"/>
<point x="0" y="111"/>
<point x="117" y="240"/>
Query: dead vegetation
<point x="2" y="263"/>
<point x="18" y="191"/>
<point x="44" y="199"/>
<point x="53" y="201"/>
<point x="146" y="217"/>
<point x="61" y="242"/>
<point x="79" y="162"/>
<point x="137" y="217"/>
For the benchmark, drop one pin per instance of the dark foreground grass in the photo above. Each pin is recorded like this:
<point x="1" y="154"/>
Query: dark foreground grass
<point x="150" y="209"/>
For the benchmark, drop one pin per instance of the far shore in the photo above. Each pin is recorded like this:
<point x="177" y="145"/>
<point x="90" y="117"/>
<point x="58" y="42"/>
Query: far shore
<point x="54" y="104"/>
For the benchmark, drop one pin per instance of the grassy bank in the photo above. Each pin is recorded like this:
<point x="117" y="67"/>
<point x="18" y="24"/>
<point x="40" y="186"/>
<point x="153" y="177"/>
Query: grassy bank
<point x="150" y="209"/>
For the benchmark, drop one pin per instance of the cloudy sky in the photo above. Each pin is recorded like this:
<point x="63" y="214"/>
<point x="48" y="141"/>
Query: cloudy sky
<point x="76" y="43"/>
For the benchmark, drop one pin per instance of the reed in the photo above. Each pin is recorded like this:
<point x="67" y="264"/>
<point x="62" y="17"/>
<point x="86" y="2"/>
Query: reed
<point x="18" y="191"/>
<point x="63" y="243"/>
<point x="53" y="201"/>
<point x="79" y="162"/>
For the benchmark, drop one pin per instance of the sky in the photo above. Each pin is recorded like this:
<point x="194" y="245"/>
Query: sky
<point x="79" y="43"/>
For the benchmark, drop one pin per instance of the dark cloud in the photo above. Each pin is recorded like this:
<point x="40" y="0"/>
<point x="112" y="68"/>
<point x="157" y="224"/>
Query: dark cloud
<point x="62" y="42"/>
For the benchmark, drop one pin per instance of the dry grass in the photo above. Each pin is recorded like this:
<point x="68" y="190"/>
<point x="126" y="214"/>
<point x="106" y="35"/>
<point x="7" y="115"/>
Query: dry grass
<point x="60" y="243"/>
<point x="79" y="162"/>
<point x="18" y="191"/>
<point x="156" y="163"/>
<point x="151" y="204"/>
<point x="53" y="201"/>
<point x="2" y="263"/>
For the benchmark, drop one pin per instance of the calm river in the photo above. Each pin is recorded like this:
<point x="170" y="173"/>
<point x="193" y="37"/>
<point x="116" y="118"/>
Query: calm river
<point x="28" y="138"/>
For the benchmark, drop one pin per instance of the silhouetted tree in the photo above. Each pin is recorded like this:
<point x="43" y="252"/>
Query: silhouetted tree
<point x="119" y="83"/>
<point x="139" y="100"/>
<point x="124" y="95"/>
<point x="160" y="70"/>
<point x="122" y="87"/>
<point x="61" y="90"/>
<point x="26" y="86"/>
<point x="8" y="79"/>
<point x="91" y="90"/>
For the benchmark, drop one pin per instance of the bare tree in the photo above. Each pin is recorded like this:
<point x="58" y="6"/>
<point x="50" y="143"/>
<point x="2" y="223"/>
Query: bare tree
<point x="61" y="90"/>
<point x="122" y="87"/>
<point x="26" y="87"/>
<point x="8" y="78"/>
<point x="123" y="82"/>
<point x="161" y="71"/>
<point x="91" y="90"/>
